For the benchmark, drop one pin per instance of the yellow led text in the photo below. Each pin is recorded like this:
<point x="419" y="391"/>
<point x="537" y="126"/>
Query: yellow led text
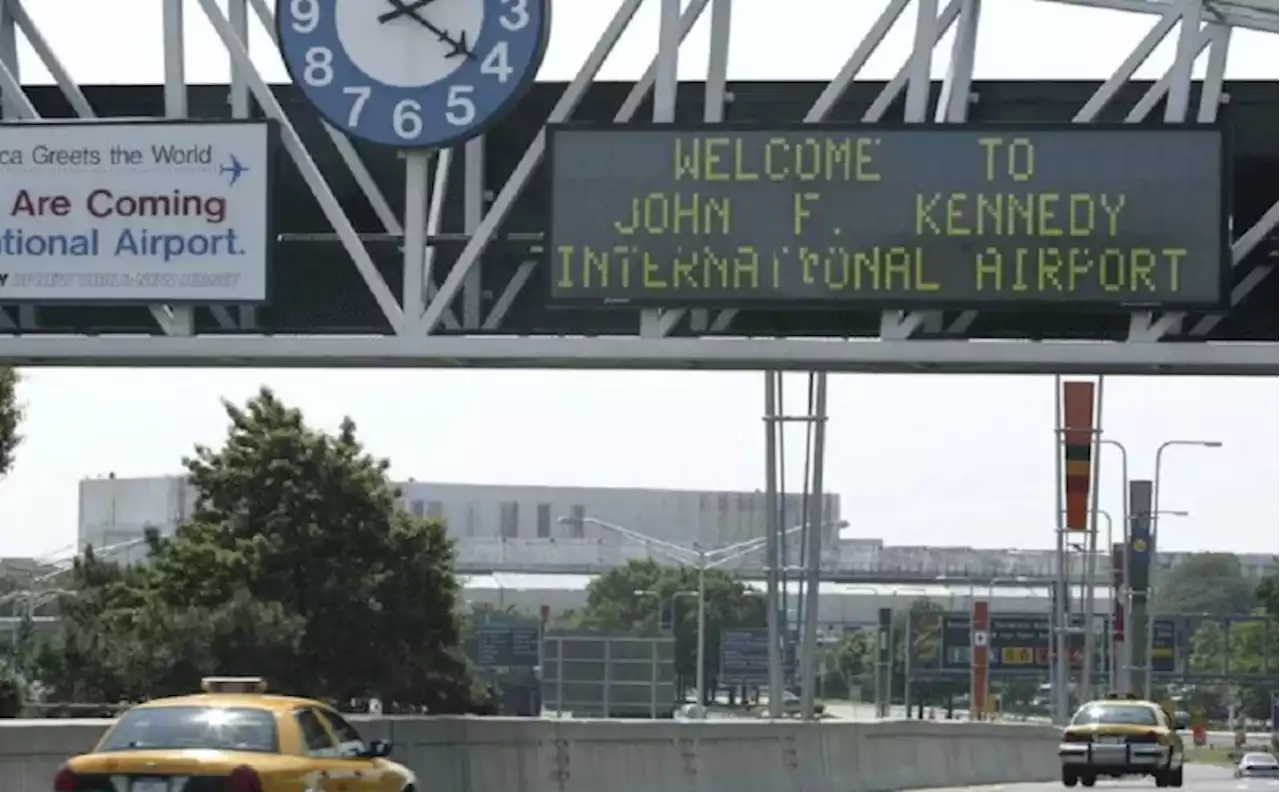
<point x="676" y="214"/>
<point x="1014" y="159"/>
<point x="887" y="269"/>
<point x="1065" y="270"/>
<point x="624" y="266"/>
<point x="1047" y="214"/>
<point x="735" y="158"/>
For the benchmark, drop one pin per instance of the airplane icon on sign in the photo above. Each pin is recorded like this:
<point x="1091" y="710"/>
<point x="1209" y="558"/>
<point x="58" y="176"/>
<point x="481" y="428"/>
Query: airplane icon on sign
<point x="235" y="168"/>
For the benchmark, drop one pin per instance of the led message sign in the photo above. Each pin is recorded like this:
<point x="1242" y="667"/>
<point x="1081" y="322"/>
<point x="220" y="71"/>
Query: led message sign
<point x="944" y="216"/>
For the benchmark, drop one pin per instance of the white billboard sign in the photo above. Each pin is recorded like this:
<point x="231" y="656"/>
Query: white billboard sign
<point x="135" y="212"/>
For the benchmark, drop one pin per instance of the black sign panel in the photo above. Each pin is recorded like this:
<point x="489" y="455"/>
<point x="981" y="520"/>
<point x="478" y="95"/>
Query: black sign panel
<point x="942" y="216"/>
<point x="1164" y="646"/>
<point x="508" y="645"/>
<point x="1015" y="642"/>
<point x="744" y="657"/>
<point x="1023" y="643"/>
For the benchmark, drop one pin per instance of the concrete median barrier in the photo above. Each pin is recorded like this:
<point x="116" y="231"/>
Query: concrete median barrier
<point x="562" y="755"/>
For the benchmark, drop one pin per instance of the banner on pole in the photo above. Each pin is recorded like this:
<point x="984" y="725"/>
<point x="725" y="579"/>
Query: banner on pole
<point x="979" y="673"/>
<point x="1140" y="539"/>
<point x="1077" y="451"/>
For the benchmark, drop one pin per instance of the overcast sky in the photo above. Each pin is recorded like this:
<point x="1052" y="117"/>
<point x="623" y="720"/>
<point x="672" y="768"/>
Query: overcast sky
<point x="916" y="459"/>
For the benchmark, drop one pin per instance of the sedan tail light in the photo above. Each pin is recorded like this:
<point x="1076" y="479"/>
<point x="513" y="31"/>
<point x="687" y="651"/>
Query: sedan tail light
<point x="243" y="779"/>
<point x="1147" y="737"/>
<point x="1077" y="737"/>
<point x="65" y="781"/>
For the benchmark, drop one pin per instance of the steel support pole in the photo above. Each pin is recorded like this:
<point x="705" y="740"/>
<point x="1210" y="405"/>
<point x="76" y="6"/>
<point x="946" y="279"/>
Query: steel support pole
<point x="417" y="171"/>
<point x="813" y="564"/>
<point x="1120" y="680"/>
<point x="773" y="538"/>
<point x="1091" y="554"/>
<point x="907" y="639"/>
<point x="1061" y="617"/>
<point x="701" y="672"/>
<point x="1150" y="620"/>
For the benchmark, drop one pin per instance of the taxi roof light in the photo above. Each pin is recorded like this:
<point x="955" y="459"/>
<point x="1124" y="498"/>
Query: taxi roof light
<point x="233" y="685"/>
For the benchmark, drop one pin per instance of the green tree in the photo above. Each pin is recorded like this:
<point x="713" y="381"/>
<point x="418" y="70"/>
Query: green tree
<point x="1266" y="597"/>
<point x="10" y="419"/>
<point x="851" y="665"/>
<point x="926" y="635"/>
<point x="926" y="653"/>
<point x="1250" y="647"/>
<point x="633" y="598"/>
<point x="1205" y="583"/>
<point x="298" y="564"/>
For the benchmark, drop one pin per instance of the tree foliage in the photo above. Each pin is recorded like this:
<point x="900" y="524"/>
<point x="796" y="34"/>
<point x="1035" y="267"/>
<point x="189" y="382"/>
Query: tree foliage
<point x="10" y="419"/>
<point x="848" y="666"/>
<point x="1266" y="597"/>
<point x="1247" y="644"/>
<point x="926" y="652"/>
<point x="1205" y="583"/>
<point x="632" y="599"/>
<point x="297" y="564"/>
<point x="1239" y="648"/>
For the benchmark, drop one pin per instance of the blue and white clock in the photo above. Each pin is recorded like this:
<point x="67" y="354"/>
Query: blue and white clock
<point x="413" y="73"/>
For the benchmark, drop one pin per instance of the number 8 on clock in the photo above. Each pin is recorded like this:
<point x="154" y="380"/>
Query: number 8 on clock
<point x="413" y="73"/>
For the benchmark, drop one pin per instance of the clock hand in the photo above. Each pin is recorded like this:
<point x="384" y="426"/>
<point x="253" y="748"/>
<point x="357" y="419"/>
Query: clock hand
<point x="460" y="47"/>
<point x="403" y="10"/>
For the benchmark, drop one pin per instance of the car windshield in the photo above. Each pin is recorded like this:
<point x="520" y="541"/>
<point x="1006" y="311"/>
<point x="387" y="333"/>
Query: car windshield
<point x="1258" y="760"/>
<point x="1115" y="714"/>
<point x="181" y="728"/>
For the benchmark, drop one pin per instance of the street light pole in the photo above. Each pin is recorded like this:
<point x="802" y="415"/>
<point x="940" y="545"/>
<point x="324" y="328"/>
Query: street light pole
<point x="1122" y="658"/>
<point x="703" y="560"/>
<point x="1155" y="544"/>
<point x="1090" y="579"/>
<point x="701" y="673"/>
<point x="809" y="653"/>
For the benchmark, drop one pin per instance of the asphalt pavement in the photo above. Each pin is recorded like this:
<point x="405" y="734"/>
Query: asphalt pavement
<point x="1196" y="778"/>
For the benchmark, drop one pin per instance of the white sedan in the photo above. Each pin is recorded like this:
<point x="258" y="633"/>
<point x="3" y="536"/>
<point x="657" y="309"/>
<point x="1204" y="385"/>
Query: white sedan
<point x="1258" y="765"/>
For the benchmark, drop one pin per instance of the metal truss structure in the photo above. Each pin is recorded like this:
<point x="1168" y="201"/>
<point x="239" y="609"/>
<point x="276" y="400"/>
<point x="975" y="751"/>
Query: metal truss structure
<point x="464" y="320"/>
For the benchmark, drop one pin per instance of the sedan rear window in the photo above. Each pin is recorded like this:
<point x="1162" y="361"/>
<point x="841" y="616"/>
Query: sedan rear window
<point x="1115" y="715"/>
<point x="181" y="728"/>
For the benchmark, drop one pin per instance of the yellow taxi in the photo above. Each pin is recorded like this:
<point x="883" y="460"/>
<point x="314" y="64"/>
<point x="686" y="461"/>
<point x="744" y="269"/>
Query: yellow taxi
<point x="1119" y="736"/>
<point x="234" y="737"/>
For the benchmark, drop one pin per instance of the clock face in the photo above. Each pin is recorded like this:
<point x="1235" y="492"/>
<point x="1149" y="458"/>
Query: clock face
<point x="412" y="73"/>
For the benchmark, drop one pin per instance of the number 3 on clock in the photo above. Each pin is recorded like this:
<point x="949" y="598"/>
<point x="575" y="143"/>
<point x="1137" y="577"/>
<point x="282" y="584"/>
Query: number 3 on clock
<point x="413" y="73"/>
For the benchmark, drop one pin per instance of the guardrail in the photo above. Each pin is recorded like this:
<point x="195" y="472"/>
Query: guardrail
<point x="563" y="755"/>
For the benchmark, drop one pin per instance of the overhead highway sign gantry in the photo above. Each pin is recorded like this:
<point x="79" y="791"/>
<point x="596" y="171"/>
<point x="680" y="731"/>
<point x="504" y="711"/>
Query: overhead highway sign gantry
<point x="348" y="285"/>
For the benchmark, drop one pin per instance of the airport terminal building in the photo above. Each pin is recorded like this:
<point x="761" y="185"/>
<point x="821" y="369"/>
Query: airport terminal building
<point x="530" y="546"/>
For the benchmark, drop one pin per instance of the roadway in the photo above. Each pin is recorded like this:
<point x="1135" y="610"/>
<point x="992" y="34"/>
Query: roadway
<point x="1197" y="778"/>
<point x="866" y="713"/>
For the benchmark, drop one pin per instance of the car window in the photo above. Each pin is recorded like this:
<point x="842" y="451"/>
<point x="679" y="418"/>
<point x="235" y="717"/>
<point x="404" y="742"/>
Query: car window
<point x="179" y="728"/>
<point x="349" y="741"/>
<point x="1264" y="760"/>
<point x="315" y="737"/>
<point x="1115" y="715"/>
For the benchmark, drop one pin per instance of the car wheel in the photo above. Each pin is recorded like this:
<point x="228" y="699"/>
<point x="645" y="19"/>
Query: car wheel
<point x="1069" y="777"/>
<point x="1162" y="778"/>
<point x="1175" y="777"/>
<point x="1088" y="779"/>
